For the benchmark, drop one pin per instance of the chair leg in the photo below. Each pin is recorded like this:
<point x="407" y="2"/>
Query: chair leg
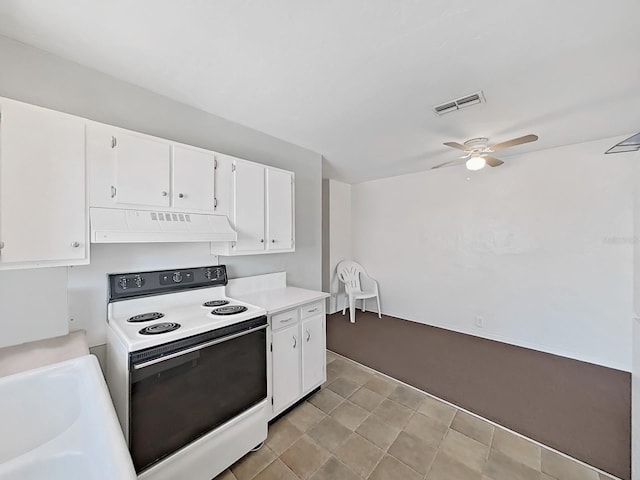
<point x="378" y="301"/>
<point x="352" y="310"/>
<point x="364" y="301"/>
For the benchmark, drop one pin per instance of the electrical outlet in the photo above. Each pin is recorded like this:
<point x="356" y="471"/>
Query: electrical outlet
<point x="479" y="321"/>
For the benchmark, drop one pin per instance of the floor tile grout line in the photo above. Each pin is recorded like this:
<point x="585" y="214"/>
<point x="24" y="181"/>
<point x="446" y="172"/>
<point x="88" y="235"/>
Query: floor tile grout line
<point x="597" y="470"/>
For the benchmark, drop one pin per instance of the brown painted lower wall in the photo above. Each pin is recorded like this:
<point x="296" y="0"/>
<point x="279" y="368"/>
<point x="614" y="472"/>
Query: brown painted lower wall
<point x="578" y="408"/>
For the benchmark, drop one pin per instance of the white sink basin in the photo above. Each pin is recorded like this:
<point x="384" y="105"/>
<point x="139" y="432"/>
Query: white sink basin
<point x="57" y="422"/>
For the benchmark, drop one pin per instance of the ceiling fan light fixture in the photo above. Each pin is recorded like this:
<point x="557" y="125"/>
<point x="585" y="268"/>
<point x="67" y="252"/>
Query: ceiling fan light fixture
<point x="476" y="163"/>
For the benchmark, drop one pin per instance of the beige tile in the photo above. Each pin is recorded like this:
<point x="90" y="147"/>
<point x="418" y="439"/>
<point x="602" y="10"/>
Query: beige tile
<point x="602" y="477"/>
<point x="334" y="469"/>
<point x="413" y="452"/>
<point x="326" y="400"/>
<point x="429" y="430"/>
<point x="393" y="413"/>
<point x="544" y="476"/>
<point x="333" y="373"/>
<point x="381" y="385"/>
<point x="440" y="411"/>
<point x="329" y="433"/>
<point x="377" y="432"/>
<point x="406" y="396"/>
<point x="343" y="387"/>
<point x="465" y="450"/>
<point x="359" y="455"/>
<point x="305" y="457"/>
<point x="564" y="468"/>
<point x="282" y="434"/>
<point x="226" y="475"/>
<point x="305" y="416"/>
<point x="516" y="447"/>
<point x="391" y="469"/>
<point x="501" y="467"/>
<point x="253" y="463"/>
<point x="277" y="470"/>
<point x="357" y="374"/>
<point x="473" y="427"/>
<point x="446" y="468"/>
<point x="367" y="399"/>
<point x="349" y="415"/>
<point x="331" y="357"/>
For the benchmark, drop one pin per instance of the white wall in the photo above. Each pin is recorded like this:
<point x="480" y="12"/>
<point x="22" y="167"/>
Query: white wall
<point x="539" y="248"/>
<point x="340" y="238"/>
<point x="34" y="76"/>
<point x="635" y="371"/>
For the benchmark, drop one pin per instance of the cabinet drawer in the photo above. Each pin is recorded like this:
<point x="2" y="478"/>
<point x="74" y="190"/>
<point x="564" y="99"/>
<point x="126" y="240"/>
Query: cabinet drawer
<point x="284" y="319"/>
<point x="316" y="308"/>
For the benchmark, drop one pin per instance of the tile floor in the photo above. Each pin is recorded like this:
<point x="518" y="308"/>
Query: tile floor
<point x="362" y="425"/>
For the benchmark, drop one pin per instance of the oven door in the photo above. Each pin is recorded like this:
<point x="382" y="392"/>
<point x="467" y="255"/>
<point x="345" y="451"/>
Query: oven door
<point x="183" y="390"/>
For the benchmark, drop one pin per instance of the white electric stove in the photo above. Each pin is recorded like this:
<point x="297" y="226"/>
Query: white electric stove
<point x="187" y="371"/>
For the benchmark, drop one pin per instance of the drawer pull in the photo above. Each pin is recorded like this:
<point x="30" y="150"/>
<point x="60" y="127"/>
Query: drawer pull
<point x="295" y="342"/>
<point x="313" y="310"/>
<point x="308" y="336"/>
<point x="285" y="320"/>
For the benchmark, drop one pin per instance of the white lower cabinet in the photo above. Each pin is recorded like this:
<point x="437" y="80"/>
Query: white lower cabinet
<point x="298" y="365"/>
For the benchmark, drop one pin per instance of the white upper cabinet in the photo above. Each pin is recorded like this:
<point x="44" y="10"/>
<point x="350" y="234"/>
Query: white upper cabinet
<point x="280" y="209"/>
<point x="142" y="170"/>
<point x="261" y="206"/>
<point x="193" y="179"/>
<point x="249" y="207"/>
<point x="43" y="207"/>
<point x="133" y="170"/>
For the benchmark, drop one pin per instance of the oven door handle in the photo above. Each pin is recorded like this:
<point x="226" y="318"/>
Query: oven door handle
<point x="197" y="347"/>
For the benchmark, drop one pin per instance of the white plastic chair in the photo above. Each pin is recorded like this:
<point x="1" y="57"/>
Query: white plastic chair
<point x="357" y="285"/>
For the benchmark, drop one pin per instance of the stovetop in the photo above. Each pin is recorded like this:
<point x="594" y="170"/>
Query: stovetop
<point x="151" y="313"/>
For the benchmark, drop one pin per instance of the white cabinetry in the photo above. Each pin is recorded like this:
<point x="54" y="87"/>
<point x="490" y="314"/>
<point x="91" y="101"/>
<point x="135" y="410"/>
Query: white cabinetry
<point x="132" y="170"/>
<point x="299" y="354"/>
<point x="260" y="206"/>
<point x="43" y="208"/>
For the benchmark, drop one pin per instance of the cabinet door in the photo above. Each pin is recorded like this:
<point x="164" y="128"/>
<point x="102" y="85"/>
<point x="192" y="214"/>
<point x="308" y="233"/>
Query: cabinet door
<point x="285" y="367"/>
<point x="224" y="185"/>
<point x="43" y="213"/>
<point x="193" y="179"/>
<point x="143" y="170"/>
<point x="313" y="353"/>
<point x="249" y="206"/>
<point x="280" y="209"/>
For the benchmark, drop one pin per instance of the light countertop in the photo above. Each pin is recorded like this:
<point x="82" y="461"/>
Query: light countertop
<point x="280" y="299"/>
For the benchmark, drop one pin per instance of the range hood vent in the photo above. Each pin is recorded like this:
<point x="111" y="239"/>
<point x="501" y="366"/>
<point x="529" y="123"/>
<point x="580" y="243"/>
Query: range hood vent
<point x="458" y="103"/>
<point x="109" y="225"/>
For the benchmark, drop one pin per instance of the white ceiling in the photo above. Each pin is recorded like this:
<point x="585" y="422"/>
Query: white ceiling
<point x="355" y="80"/>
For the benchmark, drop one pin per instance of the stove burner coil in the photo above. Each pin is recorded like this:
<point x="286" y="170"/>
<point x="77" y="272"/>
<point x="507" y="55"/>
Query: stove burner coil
<point x="146" y="317"/>
<point x="229" y="310"/>
<point x="158" y="328"/>
<point x="215" y="303"/>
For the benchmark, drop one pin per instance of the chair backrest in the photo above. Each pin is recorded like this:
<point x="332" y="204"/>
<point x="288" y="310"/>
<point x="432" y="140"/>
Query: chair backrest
<point x="349" y="273"/>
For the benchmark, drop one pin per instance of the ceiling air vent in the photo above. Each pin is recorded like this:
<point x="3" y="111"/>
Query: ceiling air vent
<point x="458" y="103"/>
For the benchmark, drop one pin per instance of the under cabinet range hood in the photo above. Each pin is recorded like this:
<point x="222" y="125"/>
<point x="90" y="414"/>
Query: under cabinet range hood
<point x="110" y="225"/>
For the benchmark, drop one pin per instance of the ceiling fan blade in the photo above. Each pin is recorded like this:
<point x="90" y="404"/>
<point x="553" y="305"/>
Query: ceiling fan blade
<point x="459" y="146"/>
<point x="492" y="161"/>
<point x="513" y="142"/>
<point x="449" y="163"/>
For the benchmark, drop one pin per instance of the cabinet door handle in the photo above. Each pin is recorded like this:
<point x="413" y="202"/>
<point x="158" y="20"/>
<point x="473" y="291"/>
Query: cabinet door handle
<point x="273" y="240"/>
<point x="113" y="191"/>
<point x="308" y="336"/>
<point x="181" y="195"/>
<point x="163" y="193"/>
<point x="215" y="202"/>
<point x="262" y="240"/>
<point x="285" y="320"/>
<point x="75" y="244"/>
<point x="295" y="342"/>
<point x="313" y="310"/>
<point x="1" y="245"/>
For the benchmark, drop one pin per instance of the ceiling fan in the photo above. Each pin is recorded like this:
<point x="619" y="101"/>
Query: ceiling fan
<point x="478" y="151"/>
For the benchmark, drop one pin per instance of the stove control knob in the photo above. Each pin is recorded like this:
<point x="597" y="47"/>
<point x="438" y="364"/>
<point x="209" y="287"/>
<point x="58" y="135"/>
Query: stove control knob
<point x="123" y="283"/>
<point x="177" y="277"/>
<point x="208" y="274"/>
<point x="138" y="280"/>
